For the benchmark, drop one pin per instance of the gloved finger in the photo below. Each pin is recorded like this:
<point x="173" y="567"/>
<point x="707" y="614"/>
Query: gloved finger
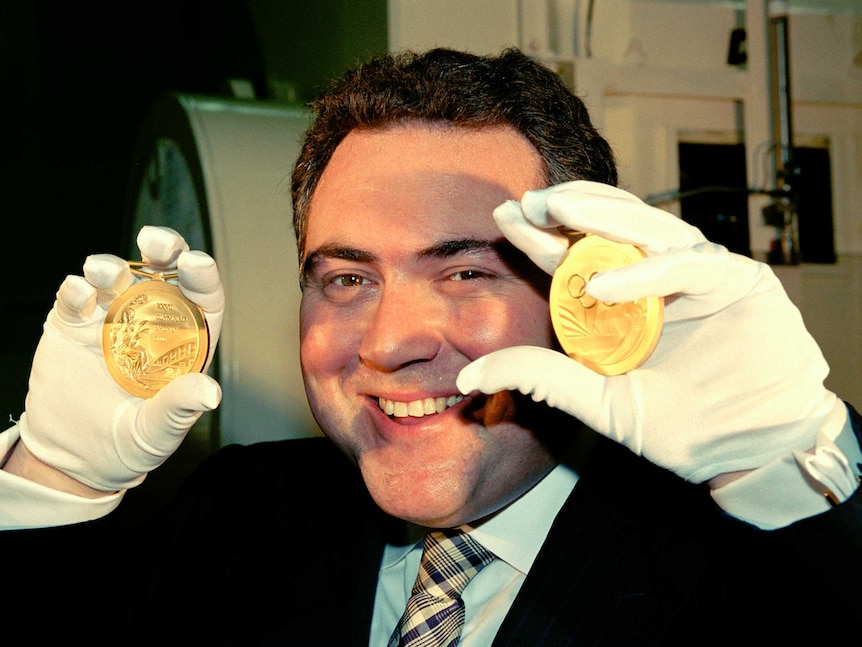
<point x="501" y="370"/>
<point x="200" y="281"/>
<point x="710" y="275"/>
<point x="153" y="431"/>
<point x="692" y="271"/>
<point x="76" y="302"/>
<point x="548" y="376"/>
<point x="613" y="213"/>
<point x="110" y="275"/>
<point x="160" y="247"/>
<point x="545" y="247"/>
<point x="534" y="202"/>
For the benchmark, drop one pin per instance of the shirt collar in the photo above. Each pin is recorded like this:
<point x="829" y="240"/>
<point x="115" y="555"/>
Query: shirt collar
<point x="516" y="533"/>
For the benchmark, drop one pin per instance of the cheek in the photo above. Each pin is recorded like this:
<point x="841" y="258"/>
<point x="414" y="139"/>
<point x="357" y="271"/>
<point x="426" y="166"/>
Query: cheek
<point x="519" y="321"/>
<point x="326" y="343"/>
<point x="325" y="353"/>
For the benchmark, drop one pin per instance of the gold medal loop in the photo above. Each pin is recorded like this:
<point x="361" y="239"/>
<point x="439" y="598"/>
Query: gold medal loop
<point x="137" y="269"/>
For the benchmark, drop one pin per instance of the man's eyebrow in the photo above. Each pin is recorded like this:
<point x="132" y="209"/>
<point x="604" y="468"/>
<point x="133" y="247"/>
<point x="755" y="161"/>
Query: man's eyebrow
<point x="342" y="251"/>
<point x="448" y="248"/>
<point x="335" y="251"/>
<point x="443" y="249"/>
<point x="500" y="247"/>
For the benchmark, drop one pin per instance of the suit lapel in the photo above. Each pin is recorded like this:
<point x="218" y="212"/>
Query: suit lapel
<point x="371" y="539"/>
<point x="611" y="568"/>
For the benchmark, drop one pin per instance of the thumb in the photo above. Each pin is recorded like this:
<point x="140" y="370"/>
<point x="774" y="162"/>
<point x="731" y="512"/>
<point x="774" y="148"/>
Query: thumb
<point x="605" y="404"/>
<point x="162" y="422"/>
<point x="543" y="374"/>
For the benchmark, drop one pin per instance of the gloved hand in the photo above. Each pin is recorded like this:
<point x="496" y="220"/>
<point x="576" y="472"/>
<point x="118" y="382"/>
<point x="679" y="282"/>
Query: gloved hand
<point x="735" y="379"/>
<point x="77" y="418"/>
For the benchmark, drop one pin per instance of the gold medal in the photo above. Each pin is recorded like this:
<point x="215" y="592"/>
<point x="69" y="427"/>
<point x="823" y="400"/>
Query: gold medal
<point x="152" y="334"/>
<point x="609" y="338"/>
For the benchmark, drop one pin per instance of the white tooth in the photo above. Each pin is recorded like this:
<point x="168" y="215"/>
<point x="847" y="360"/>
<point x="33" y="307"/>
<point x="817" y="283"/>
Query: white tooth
<point x="417" y="408"/>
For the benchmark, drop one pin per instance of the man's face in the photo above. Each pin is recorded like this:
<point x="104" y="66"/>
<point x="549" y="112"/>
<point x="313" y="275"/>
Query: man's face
<point x="407" y="280"/>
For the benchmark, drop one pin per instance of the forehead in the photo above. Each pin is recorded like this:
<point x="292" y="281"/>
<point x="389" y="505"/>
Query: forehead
<point x="421" y="177"/>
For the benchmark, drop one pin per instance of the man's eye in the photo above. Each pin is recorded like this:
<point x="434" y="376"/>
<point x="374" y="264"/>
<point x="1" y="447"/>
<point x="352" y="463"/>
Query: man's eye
<point x="467" y="275"/>
<point x="348" y="280"/>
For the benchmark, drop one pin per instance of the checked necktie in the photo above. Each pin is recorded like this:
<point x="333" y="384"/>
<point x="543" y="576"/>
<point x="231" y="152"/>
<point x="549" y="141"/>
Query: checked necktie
<point x="435" y="611"/>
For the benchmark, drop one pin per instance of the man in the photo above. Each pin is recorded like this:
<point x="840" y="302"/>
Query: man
<point x="431" y="364"/>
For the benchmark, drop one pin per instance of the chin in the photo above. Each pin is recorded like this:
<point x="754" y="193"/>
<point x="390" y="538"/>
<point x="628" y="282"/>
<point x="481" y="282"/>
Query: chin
<point x="427" y="498"/>
<point x="430" y="515"/>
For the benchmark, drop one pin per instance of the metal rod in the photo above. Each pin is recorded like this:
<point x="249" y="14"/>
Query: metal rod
<point x="785" y="208"/>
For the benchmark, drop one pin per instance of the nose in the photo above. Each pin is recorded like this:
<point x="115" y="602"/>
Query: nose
<point x="405" y="327"/>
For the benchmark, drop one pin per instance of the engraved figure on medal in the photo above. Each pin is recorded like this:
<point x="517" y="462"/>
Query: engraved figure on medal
<point x="153" y="334"/>
<point x="126" y="342"/>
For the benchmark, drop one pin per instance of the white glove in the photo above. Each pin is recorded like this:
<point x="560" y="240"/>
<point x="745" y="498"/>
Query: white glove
<point x="77" y="418"/>
<point x="735" y="379"/>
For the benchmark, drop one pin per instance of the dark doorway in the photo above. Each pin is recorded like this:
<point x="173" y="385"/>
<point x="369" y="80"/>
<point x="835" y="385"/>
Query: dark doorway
<point x="714" y="195"/>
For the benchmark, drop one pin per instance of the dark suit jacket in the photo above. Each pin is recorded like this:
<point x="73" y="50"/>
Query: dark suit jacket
<point x="279" y="544"/>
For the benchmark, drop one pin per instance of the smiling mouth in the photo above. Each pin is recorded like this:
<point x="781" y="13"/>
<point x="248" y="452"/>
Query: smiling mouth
<point x="418" y="408"/>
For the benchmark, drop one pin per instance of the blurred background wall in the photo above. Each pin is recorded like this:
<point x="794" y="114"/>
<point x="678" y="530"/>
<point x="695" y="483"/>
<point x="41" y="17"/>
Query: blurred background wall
<point x="77" y="80"/>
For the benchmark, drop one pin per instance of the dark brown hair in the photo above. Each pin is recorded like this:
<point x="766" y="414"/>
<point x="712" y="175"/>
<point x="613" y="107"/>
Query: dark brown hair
<point x="464" y="90"/>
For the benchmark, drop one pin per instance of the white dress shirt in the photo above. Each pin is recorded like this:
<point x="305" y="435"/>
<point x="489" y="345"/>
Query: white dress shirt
<point x="514" y="535"/>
